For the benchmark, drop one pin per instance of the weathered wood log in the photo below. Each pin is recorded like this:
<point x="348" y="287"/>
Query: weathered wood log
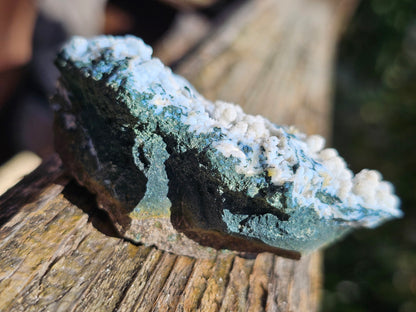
<point x="58" y="252"/>
<point x="274" y="57"/>
<point x="55" y="255"/>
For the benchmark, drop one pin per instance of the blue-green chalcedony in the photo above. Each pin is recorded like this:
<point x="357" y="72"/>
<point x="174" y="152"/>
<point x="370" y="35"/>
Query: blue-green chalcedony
<point x="172" y="168"/>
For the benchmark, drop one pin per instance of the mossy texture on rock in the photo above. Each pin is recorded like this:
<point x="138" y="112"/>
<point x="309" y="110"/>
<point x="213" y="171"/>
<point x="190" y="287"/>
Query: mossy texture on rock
<point x="165" y="161"/>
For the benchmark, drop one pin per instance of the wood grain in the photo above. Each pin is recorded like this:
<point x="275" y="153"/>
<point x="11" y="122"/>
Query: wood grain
<point x="53" y="258"/>
<point x="275" y="58"/>
<point x="58" y="252"/>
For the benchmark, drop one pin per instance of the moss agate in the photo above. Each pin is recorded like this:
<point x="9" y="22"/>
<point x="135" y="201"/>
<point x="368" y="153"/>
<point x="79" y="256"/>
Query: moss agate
<point x="173" y="168"/>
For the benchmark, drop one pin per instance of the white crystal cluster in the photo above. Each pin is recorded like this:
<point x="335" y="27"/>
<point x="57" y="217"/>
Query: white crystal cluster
<point x="260" y="146"/>
<point x="278" y="150"/>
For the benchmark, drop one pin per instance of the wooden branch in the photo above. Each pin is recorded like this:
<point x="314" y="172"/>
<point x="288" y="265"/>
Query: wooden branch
<point x="58" y="252"/>
<point x="53" y="258"/>
<point x="274" y="57"/>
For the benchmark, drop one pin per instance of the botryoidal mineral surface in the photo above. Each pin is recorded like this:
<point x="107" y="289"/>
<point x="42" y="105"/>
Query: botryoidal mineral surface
<point x="181" y="172"/>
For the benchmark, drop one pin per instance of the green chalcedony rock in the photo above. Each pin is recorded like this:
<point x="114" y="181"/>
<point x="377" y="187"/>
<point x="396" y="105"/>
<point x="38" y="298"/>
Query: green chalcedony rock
<point x="172" y="168"/>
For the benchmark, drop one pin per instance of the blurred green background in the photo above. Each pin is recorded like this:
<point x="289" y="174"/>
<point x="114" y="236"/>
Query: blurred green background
<point x="375" y="127"/>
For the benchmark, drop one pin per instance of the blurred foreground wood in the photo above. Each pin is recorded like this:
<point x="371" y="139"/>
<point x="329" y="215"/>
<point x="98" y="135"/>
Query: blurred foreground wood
<point x="16" y="168"/>
<point x="58" y="252"/>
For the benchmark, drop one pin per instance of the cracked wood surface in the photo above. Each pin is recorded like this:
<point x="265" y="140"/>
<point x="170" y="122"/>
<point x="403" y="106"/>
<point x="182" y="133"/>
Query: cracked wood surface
<point x="53" y="258"/>
<point x="59" y="252"/>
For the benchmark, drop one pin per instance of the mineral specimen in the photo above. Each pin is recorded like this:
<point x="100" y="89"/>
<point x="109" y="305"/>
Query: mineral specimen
<point x="172" y="168"/>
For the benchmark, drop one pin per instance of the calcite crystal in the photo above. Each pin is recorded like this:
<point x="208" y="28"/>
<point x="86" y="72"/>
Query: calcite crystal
<point x="172" y="168"/>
